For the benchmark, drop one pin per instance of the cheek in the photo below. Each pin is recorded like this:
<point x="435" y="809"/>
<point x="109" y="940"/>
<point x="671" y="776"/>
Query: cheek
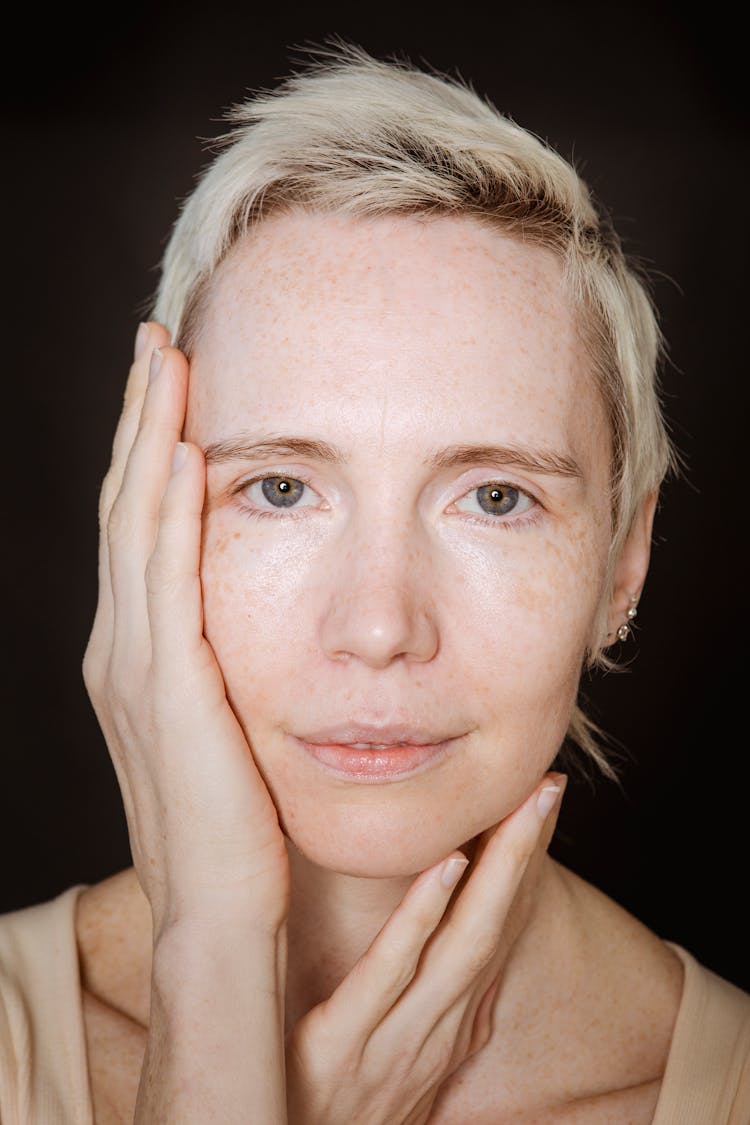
<point x="531" y="604"/>
<point x="524" y="639"/>
<point x="254" y="594"/>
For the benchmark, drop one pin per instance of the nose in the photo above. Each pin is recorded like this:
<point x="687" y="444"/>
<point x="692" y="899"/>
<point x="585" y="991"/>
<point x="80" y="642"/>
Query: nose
<point x="380" y="602"/>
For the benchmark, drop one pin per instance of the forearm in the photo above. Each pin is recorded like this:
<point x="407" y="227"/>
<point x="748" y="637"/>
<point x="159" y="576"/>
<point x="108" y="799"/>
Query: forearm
<point x="215" y="1048"/>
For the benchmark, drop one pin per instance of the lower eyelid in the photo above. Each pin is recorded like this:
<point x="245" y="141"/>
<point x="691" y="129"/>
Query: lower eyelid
<point x="529" y="519"/>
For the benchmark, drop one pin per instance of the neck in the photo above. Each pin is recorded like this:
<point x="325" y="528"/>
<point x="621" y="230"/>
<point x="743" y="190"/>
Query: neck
<point x="333" y="920"/>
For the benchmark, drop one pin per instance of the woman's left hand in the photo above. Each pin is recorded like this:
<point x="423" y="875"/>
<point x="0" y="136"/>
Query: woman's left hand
<point x="419" y="1002"/>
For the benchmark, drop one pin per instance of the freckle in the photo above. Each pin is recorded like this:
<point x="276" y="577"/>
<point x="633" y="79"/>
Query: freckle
<point x="236" y="535"/>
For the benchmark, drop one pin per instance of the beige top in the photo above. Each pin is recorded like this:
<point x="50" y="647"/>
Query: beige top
<point x="44" y="1073"/>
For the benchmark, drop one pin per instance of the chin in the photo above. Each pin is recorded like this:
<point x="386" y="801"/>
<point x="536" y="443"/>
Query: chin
<point x="374" y="843"/>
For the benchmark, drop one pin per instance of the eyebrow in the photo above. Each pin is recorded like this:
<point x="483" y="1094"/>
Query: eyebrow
<point x="242" y="447"/>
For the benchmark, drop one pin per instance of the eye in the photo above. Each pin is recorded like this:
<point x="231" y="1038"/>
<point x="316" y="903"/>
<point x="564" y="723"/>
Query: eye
<point x="279" y="491"/>
<point x="496" y="499"/>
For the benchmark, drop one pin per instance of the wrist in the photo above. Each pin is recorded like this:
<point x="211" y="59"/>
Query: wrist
<point x="216" y="1028"/>
<point x="192" y="957"/>
<point x="212" y="919"/>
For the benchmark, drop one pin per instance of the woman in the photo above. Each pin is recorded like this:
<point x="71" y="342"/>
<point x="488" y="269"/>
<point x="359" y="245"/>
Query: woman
<point x="383" y="484"/>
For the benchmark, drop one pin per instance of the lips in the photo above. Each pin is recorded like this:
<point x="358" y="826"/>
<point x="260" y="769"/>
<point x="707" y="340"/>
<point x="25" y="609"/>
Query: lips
<point x="366" y="752"/>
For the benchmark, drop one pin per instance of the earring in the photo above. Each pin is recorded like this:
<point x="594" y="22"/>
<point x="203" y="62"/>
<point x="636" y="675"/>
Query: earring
<point x="625" y="629"/>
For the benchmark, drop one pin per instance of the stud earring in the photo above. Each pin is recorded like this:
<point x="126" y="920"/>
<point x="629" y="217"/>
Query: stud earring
<point x="625" y="629"/>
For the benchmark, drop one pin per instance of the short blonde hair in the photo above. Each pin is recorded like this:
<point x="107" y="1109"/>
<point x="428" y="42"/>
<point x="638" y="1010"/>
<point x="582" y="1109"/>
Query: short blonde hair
<point x="364" y="137"/>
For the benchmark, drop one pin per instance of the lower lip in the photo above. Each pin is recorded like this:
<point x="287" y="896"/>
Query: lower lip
<point x="376" y="765"/>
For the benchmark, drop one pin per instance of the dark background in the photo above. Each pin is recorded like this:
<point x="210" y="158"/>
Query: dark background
<point x="100" y="143"/>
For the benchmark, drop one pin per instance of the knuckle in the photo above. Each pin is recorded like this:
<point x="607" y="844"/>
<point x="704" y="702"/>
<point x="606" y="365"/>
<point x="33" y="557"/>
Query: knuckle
<point x="120" y="524"/>
<point x="481" y="952"/>
<point x="96" y="664"/>
<point x="425" y="918"/>
<point x="521" y="851"/>
<point x="91" y="670"/>
<point x="400" y="971"/>
<point x="109" y="694"/>
<point x="318" y="1048"/>
<point x="161" y="580"/>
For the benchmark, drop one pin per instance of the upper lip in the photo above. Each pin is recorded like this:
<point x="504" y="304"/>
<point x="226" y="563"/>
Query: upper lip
<point x="392" y="734"/>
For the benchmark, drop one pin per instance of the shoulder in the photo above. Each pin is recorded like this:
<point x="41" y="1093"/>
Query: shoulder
<point x="708" y="1070"/>
<point x="693" y="1025"/>
<point x="42" y="1054"/>
<point x="38" y="954"/>
<point x="628" y="977"/>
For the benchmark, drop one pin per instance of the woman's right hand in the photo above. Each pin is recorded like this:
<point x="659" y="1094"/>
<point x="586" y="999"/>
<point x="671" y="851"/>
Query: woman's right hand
<point x="204" y="832"/>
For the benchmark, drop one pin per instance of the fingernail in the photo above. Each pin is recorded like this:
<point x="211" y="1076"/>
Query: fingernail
<point x="179" y="457"/>
<point x="141" y="339"/>
<point x="157" y="357"/>
<point x="547" y="798"/>
<point x="452" y="870"/>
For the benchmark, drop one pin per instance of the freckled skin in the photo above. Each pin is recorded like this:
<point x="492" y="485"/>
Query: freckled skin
<point x="377" y="598"/>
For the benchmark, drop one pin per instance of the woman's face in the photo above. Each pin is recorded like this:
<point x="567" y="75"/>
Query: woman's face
<point x="413" y="579"/>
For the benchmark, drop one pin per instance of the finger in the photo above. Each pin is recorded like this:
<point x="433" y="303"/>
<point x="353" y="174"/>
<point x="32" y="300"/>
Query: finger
<point x="384" y="971"/>
<point x="452" y="966"/>
<point x="467" y="1022"/>
<point x="133" y="522"/>
<point x="184" y="671"/>
<point x="150" y="335"/>
<point x="551" y="781"/>
<point x="173" y="589"/>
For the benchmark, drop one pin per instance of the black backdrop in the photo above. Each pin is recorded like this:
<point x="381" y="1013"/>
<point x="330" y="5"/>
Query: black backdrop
<point x="100" y="141"/>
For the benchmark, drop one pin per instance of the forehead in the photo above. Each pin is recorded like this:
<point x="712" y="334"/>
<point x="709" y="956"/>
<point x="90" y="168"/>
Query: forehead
<point x="443" y="315"/>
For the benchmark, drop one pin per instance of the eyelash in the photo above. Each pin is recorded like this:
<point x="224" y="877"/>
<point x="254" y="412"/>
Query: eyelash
<point x="519" y="523"/>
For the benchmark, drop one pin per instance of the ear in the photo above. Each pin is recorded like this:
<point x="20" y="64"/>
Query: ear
<point x="631" y="568"/>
